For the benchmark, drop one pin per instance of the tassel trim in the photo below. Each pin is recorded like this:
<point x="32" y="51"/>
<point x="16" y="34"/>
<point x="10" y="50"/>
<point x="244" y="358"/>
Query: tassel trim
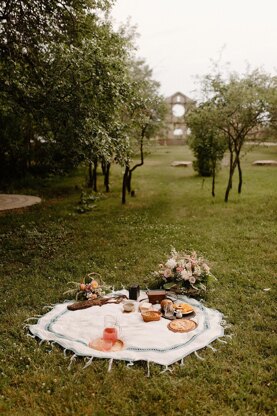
<point x="110" y="365"/>
<point x="198" y="356"/>
<point x="72" y="359"/>
<point x="88" y="363"/>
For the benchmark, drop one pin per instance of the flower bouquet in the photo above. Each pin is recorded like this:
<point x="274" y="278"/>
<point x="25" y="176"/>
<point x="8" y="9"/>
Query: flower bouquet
<point x="185" y="273"/>
<point x="88" y="288"/>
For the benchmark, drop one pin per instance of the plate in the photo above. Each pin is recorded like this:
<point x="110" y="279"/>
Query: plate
<point x="185" y="308"/>
<point x="100" y="344"/>
<point x="182" y="325"/>
<point x="184" y="313"/>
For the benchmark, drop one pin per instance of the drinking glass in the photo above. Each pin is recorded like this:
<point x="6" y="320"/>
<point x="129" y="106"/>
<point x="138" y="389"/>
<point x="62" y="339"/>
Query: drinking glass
<point x="111" y="331"/>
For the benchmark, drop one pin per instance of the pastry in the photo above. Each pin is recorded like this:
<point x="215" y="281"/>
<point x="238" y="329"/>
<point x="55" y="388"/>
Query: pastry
<point x="182" y="325"/>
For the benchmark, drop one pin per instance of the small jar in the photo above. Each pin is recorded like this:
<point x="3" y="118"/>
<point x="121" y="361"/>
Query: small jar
<point x="179" y="314"/>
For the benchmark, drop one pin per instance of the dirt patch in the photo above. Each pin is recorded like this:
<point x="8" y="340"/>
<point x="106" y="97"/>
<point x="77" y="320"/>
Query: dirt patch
<point x="10" y="201"/>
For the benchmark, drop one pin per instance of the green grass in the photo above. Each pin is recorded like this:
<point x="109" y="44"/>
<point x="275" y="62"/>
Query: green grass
<point x="45" y="247"/>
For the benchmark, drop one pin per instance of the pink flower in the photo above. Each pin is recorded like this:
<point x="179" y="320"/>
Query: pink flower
<point x="192" y="280"/>
<point x="179" y="269"/>
<point x="185" y="275"/>
<point x="167" y="273"/>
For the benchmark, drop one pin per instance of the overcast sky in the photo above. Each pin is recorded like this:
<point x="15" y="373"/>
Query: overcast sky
<point x="179" y="38"/>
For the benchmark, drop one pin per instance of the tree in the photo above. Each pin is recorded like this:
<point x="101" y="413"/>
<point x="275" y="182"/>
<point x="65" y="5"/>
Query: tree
<point x="40" y="42"/>
<point x="76" y="89"/>
<point x="207" y="144"/>
<point x="271" y="125"/>
<point x="238" y="106"/>
<point x="142" y="116"/>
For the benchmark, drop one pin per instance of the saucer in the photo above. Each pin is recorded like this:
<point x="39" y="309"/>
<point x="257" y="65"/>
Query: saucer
<point x="100" y="344"/>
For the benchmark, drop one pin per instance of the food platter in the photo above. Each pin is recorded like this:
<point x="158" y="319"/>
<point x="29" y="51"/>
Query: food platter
<point x="184" y="308"/>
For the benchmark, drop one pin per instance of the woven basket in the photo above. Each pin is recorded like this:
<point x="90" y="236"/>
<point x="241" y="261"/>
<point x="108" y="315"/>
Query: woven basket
<point x="149" y="316"/>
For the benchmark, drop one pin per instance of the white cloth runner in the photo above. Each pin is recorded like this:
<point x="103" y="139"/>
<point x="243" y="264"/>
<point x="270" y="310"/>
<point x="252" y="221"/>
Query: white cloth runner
<point x="151" y="341"/>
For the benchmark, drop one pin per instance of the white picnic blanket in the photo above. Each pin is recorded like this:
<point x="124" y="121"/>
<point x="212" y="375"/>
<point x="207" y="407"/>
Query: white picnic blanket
<point x="151" y="341"/>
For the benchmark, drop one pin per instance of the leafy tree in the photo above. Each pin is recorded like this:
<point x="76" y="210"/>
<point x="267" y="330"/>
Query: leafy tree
<point x="271" y="125"/>
<point x="238" y="106"/>
<point x="142" y="117"/>
<point x="207" y="144"/>
<point x="41" y="83"/>
<point x="77" y="91"/>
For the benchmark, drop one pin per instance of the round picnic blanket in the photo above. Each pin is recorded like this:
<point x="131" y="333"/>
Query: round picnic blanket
<point x="149" y="341"/>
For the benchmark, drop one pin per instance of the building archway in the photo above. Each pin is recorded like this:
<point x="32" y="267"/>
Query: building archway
<point x="176" y="131"/>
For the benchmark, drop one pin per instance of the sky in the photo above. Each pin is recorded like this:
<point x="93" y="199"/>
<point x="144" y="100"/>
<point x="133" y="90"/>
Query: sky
<point x="181" y="38"/>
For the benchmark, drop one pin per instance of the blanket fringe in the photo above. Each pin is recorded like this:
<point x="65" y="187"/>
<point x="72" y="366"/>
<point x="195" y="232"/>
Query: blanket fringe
<point x="64" y="353"/>
<point x="130" y="363"/>
<point x="32" y="336"/>
<point x="148" y="369"/>
<point x="110" y="365"/>
<point x="166" y="369"/>
<point x="32" y="317"/>
<point x="88" y="363"/>
<point x="212" y="348"/>
<point x="48" y="306"/>
<point x="222" y="341"/>
<point x="225" y="324"/>
<point x="182" y="362"/>
<point x="73" y="358"/>
<point x="198" y="356"/>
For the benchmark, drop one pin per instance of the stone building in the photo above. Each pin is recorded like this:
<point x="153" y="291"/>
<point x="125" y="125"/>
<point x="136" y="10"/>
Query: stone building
<point x="175" y="130"/>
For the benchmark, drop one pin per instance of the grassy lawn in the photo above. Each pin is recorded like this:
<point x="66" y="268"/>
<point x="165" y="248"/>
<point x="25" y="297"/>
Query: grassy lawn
<point x="46" y="246"/>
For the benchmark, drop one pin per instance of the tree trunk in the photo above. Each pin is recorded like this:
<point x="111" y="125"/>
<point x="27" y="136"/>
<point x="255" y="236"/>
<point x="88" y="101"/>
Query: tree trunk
<point x="28" y="136"/>
<point x="213" y="183"/>
<point x="124" y="184"/>
<point x="129" y="182"/>
<point x="103" y="166"/>
<point x="107" y="177"/>
<point x="129" y="176"/>
<point x="240" y="176"/>
<point x="94" y="175"/>
<point x="231" y="167"/>
<point x="90" y="177"/>
<point x="229" y="186"/>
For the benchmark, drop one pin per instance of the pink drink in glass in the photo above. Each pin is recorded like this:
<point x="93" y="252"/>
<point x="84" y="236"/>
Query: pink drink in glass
<point x="110" y="334"/>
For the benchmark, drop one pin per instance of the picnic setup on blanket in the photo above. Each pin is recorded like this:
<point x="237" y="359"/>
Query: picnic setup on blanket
<point x="161" y="326"/>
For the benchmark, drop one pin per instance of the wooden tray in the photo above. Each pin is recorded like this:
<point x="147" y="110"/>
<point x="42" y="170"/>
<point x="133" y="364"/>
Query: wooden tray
<point x="182" y="325"/>
<point x="100" y="345"/>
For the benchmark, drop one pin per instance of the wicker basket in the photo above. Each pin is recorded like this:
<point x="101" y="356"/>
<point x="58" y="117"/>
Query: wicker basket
<point x="149" y="316"/>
